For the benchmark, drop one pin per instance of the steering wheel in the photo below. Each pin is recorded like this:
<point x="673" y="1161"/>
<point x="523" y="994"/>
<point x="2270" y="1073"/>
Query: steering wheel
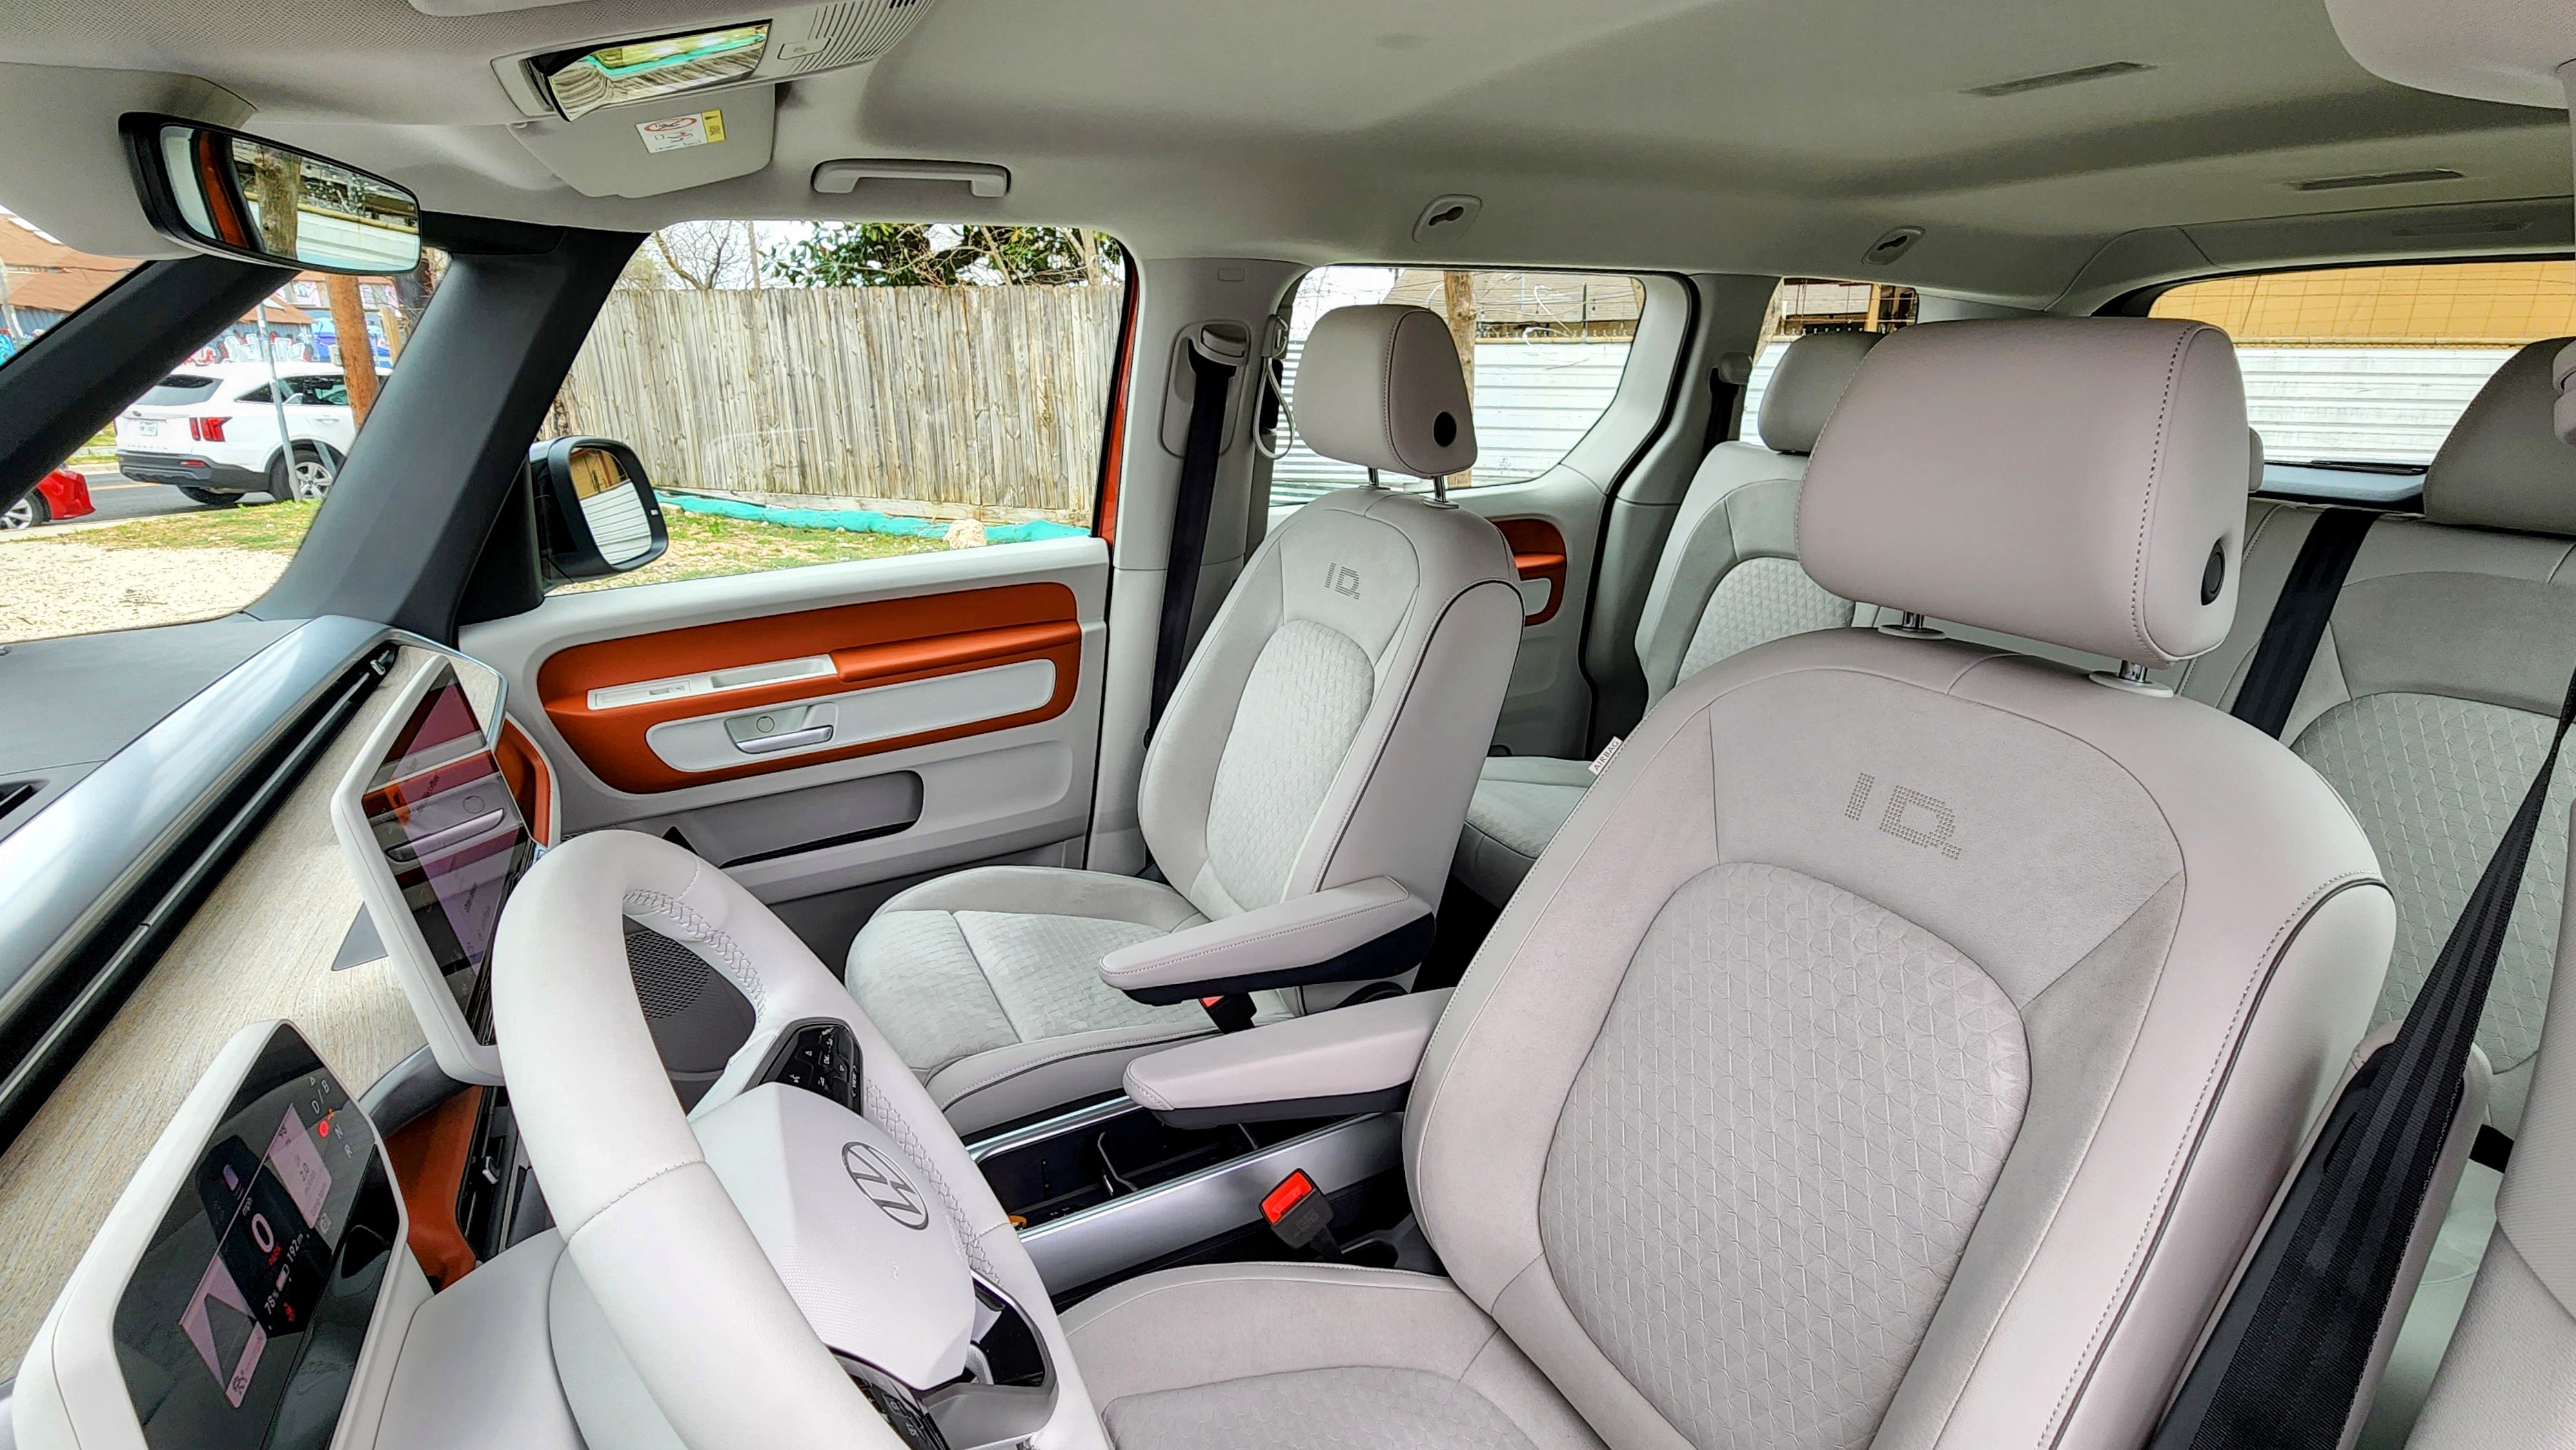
<point x="776" y="1268"/>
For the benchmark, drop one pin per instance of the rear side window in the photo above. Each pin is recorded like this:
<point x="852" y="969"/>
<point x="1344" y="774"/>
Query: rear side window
<point x="1543" y="351"/>
<point x="2354" y="375"/>
<point x="180" y="389"/>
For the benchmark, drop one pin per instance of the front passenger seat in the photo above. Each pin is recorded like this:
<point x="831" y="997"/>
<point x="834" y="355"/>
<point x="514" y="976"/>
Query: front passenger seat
<point x="1727" y="580"/>
<point x="1326" y="733"/>
<point x="1904" y="1039"/>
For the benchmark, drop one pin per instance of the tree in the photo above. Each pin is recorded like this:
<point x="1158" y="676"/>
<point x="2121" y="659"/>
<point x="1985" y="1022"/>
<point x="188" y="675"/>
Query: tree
<point x="1458" y="306"/>
<point x="910" y="254"/>
<point x="706" y="255"/>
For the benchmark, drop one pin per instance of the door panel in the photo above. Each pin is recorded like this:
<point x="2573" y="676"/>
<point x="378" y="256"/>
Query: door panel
<point x="948" y="706"/>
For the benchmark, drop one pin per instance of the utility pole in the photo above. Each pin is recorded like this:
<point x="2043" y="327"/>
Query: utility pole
<point x="751" y="230"/>
<point x="357" y="352"/>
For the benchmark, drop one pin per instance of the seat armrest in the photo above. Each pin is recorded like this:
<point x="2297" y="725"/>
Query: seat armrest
<point x="1354" y="933"/>
<point x="1356" y="1059"/>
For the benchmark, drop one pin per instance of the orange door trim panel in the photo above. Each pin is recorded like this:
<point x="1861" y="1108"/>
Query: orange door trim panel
<point x="884" y="642"/>
<point x="1538" y="552"/>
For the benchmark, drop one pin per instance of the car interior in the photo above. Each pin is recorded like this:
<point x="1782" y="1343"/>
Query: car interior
<point x="970" y="727"/>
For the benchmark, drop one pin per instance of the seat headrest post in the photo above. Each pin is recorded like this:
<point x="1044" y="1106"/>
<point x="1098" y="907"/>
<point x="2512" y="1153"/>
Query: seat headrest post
<point x="1381" y="387"/>
<point x="2076" y="481"/>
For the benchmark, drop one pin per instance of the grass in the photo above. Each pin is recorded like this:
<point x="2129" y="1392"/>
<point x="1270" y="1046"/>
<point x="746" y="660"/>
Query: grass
<point x="702" y="546"/>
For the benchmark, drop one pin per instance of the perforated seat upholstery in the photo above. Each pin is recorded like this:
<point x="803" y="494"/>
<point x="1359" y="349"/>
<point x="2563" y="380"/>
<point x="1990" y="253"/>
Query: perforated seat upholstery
<point x="1727" y="580"/>
<point x="1326" y="731"/>
<point x="1901" y="1042"/>
<point x="2427" y="708"/>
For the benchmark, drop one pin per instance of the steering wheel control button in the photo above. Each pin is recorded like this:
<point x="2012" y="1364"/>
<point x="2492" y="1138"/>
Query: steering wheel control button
<point x="885" y="1185"/>
<point x="820" y="1057"/>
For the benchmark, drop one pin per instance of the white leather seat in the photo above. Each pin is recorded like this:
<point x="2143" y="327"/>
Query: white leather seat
<point x="1326" y="732"/>
<point x="1902" y="1041"/>
<point x="1727" y="580"/>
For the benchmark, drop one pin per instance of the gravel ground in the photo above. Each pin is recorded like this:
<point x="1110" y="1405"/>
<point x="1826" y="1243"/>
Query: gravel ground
<point x="56" y="586"/>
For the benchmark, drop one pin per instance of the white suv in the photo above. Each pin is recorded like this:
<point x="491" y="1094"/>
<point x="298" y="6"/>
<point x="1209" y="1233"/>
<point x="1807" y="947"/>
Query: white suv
<point x="213" y="431"/>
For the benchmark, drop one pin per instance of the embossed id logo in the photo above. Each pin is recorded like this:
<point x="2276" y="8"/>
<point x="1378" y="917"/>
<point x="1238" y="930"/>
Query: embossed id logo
<point x="1342" y="579"/>
<point x="1910" y="815"/>
<point x="885" y="1185"/>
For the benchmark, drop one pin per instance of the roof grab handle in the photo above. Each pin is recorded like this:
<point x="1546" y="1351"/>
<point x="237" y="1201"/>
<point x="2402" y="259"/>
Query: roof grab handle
<point x="840" y="178"/>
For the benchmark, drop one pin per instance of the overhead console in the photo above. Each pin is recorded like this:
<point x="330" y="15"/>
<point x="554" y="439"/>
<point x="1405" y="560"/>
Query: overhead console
<point x="643" y="115"/>
<point x="229" y="1298"/>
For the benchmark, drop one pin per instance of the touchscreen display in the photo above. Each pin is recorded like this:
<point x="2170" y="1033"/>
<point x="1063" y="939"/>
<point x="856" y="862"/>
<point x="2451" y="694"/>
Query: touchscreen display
<point x="452" y="835"/>
<point x="242" y="1324"/>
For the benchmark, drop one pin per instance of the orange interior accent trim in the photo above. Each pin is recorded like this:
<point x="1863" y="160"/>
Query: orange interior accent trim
<point x="1538" y="551"/>
<point x="885" y="642"/>
<point x="1104" y="512"/>
<point x="429" y="1155"/>
<point x="531" y="780"/>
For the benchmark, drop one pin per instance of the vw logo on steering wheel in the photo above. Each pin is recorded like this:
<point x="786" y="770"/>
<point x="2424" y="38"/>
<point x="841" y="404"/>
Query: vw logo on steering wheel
<point x="885" y="1185"/>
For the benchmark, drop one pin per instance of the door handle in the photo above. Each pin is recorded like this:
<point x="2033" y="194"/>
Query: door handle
<point x="789" y="740"/>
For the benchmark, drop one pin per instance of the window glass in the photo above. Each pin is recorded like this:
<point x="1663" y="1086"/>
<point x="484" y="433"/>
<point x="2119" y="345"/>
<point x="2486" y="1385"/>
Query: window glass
<point x="807" y="394"/>
<point x="168" y="514"/>
<point x="2354" y="375"/>
<point x="1815" y="304"/>
<point x="1543" y="353"/>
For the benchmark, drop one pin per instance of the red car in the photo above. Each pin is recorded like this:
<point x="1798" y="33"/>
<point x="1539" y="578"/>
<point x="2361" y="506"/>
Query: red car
<point x="61" y="494"/>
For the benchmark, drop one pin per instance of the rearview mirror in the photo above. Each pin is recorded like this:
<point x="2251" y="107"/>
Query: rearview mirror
<point x="219" y="191"/>
<point x="596" y="514"/>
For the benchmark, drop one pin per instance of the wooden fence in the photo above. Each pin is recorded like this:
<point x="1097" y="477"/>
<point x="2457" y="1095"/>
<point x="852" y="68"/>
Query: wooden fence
<point x="987" y="397"/>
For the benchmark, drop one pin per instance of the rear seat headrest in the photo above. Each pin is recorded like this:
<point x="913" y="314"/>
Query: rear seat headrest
<point x="2078" y="481"/>
<point x="2503" y="466"/>
<point x="1381" y="387"/>
<point x="2254" y="456"/>
<point x="1806" y="386"/>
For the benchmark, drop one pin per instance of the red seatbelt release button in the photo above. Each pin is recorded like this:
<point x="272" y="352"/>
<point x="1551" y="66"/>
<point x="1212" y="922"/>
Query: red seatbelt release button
<point x="1300" y="1214"/>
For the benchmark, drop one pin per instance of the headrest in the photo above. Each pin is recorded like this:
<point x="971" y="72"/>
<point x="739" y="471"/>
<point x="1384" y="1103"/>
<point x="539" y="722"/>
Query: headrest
<point x="1381" y="387"/>
<point x="1807" y="384"/>
<point x="2062" y="479"/>
<point x="2254" y="452"/>
<point x="2503" y="466"/>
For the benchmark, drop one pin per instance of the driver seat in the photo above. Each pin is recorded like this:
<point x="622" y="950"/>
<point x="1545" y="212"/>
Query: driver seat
<point x="1901" y="1043"/>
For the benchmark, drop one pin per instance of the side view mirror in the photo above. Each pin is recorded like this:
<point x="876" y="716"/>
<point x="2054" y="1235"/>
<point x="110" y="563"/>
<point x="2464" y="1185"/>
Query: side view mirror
<point x="596" y="514"/>
<point x="219" y="191"/>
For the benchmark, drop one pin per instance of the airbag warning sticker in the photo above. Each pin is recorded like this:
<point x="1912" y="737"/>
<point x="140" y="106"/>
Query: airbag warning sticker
<point x="676" y="133"/>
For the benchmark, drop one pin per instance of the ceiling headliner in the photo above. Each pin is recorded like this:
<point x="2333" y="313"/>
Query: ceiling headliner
<point x="1754" y="135"/>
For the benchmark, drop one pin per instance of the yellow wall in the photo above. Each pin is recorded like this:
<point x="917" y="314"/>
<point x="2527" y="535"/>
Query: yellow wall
<point x="2456" y="304"/>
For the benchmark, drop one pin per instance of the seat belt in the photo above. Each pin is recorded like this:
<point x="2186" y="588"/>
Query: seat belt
<point x="1212" y="379"/>
<point x="2299" y="618"/>
<point x="1726" y="401"/>
<point x="2284" y="1366"/>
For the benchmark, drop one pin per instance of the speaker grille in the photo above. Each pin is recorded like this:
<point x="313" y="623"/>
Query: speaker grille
<point x="669" y="978"/>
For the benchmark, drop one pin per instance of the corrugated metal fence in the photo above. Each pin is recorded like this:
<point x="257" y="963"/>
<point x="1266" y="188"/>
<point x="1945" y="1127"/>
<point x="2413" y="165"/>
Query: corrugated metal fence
<point x="991" y="397"/>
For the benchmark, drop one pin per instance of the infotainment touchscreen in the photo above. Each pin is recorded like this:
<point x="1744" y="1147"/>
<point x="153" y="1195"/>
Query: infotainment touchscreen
<point x="452" y="835"/>
<point x="242" y="1323"/>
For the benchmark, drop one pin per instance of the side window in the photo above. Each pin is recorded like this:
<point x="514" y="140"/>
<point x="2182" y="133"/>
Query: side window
<point x="2354" y="375"/>
<point x="190" y="503"/>
<point x="804" y="394"/>
<point x="1543" y="353"/>
<point x="1811" y="304"/>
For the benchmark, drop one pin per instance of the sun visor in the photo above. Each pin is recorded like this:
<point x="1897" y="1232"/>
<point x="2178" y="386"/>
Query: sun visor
<point x="646" y="150"/>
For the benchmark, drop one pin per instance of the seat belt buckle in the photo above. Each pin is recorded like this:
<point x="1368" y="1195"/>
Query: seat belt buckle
<point x="1302" y="1217"/>
<point x="1231" y="1012"/>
